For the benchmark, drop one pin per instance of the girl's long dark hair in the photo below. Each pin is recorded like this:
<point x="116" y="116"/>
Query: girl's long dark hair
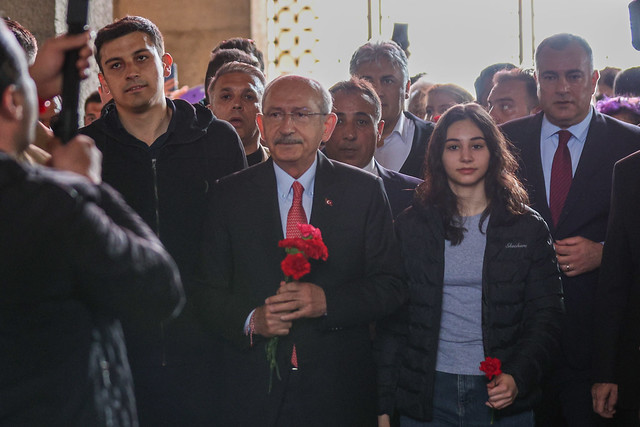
<point x="502" y="187"/>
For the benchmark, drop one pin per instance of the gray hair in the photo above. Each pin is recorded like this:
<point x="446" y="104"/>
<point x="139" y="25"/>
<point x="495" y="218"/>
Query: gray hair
<point x="239" y="67"/>
<point x="326" y="102"/>
<point x="374" y="51"/>
<point x="359" y="86"/>
<point x="560" y="42"/>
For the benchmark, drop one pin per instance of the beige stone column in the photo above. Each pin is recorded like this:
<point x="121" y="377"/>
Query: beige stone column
<point x="46" y="18"/>
<point x="192" y="28"/>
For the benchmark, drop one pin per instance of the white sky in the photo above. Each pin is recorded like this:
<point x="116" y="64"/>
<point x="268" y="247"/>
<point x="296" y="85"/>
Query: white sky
<point x="452" y="40"/>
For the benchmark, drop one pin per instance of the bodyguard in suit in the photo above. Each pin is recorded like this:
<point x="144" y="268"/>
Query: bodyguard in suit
<point x="323" y="319"/>
<point x="358" y="130"/>
<point x="405" y="136"/>
<point x="567" y="153"/>
<point x="617" y="319"/>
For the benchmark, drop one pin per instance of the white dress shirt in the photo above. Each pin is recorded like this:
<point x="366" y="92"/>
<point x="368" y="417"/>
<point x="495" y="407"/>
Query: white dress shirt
<point x="549" y="144"/>
<point x="397" y="146"/>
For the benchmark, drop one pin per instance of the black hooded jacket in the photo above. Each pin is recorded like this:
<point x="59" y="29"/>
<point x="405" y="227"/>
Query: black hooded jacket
<point x="168" y="185"/>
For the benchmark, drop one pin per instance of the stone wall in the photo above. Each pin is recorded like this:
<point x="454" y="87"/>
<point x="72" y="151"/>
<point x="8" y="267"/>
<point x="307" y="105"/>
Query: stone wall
<point x="192" y="28"/>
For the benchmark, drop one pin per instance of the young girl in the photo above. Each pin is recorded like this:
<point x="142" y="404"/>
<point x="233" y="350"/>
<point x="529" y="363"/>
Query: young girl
<point x="483" y="282"/>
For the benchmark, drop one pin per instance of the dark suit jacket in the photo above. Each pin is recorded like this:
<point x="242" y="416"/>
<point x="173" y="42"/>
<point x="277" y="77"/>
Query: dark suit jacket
<point x="585" y="212"/>
<point x="414" y="165"/>
<point x="360" y="280"/>
<point x="399" y="188"/>
<point x="617" y="320"/>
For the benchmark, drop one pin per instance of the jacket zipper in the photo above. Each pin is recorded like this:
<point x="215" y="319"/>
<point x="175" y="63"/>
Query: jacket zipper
<point x="155" y="195"/>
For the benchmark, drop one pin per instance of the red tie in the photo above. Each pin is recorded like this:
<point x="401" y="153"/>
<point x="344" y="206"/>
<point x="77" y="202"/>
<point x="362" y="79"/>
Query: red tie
<point x="295" y="216"/>
<point x="296" y="213"/>
<point x="561" y="176"/>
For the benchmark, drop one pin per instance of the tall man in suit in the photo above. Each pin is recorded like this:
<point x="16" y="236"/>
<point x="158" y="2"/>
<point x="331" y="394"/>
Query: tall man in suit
<point x="324" y="318"/>
<point x="568" y="176"/>
<point x="617" y="319"/>
<point x="358" y="130"/>
<point x="405" y="136"/>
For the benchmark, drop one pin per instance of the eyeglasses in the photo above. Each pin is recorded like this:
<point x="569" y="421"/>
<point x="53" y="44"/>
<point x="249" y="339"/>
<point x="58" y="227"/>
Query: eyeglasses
<point x="298" y="117"/>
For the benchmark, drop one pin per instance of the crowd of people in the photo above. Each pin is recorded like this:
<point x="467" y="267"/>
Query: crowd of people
<point x="143" y="260"/>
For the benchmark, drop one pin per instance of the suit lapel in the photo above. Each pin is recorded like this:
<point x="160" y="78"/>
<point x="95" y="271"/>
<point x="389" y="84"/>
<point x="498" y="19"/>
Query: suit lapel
<point x="265" y="200"/>
<point x="322" y="193"/>
<point x="530" y="153"/>
<point x="415" y="160"/>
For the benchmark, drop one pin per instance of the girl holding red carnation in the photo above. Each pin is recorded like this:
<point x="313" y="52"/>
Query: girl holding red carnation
<point x="483" y="281"/>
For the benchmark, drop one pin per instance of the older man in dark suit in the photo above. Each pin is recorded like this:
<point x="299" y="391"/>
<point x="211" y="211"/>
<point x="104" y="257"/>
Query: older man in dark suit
<point x="567" y="154"/>
<point x="324" y="351"/>
<point x="405" y="136"/>
<point x="358" y="130"/>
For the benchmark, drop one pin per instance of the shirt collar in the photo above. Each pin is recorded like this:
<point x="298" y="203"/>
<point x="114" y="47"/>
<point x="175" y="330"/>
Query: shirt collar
<point x="579" y="130"/>
<point x="371" y="167"/>
<point x="400" y="125"/>
<point x="285" y="181"/>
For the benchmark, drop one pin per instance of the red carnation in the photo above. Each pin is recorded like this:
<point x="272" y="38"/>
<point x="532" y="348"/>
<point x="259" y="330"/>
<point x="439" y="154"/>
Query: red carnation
<point x="295" y="243"/>
<point x="309" y="231"/>
<point x="316" y="249"/>
<point x="295" y="265"/>
<point x="491" y="367"/>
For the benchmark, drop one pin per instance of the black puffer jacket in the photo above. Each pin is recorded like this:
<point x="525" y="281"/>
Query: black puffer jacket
<point x="73" y="260"/>
<point x="521" y="309"/>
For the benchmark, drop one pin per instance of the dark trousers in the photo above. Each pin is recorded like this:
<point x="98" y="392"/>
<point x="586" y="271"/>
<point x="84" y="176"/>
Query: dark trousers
<point x="566" y="401"/>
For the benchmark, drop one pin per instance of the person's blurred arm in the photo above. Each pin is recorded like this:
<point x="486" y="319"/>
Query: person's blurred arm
<point x="46" y="71"/>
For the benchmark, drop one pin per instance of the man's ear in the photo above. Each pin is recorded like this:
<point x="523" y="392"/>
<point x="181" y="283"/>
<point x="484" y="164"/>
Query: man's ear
<point x="379" y="136"/>
<point x="407" y="90"/>
<point x="12" y="103"/>
<point x="329" y="125"/>
<point x="103" y="83"/>
<point x="594" y="80"/>
<point x="260" y="123"/>
<point x="167" y="60"/>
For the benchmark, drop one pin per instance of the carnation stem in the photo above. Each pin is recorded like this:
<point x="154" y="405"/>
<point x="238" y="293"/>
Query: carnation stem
<point x="271" y="348"/>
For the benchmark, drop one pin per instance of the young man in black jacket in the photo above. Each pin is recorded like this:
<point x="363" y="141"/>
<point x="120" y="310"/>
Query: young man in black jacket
<point x="163" y="156"/>
<point x="74" y="259"/>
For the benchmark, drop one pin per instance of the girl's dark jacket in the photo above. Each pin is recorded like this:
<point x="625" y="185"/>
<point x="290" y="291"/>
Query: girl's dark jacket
<point x="521" y="309"/>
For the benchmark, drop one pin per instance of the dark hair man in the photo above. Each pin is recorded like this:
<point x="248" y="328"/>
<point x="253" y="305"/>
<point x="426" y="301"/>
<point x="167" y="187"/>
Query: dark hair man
<point x="356" y="135"/>
<point x="514" y="95"/>
<point x="245" y="45"/>
<point x="605" y="82"/>
<point x="627" y="82"/>
<point x="567" y="153"/>
<point x="235" y="94"/>
<point x="484" y="82"/>
<point x="75" y="259"/>
<point x="405" y="136"/>
<point x="323" y="318"/>
<point x="218" y="59"/>
<point x="163" y="156"/>
<point x="92" y="108"/>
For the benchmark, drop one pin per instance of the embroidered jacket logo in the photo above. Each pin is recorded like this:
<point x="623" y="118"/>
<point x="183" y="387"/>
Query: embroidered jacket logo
<point x="515" y="245"/>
